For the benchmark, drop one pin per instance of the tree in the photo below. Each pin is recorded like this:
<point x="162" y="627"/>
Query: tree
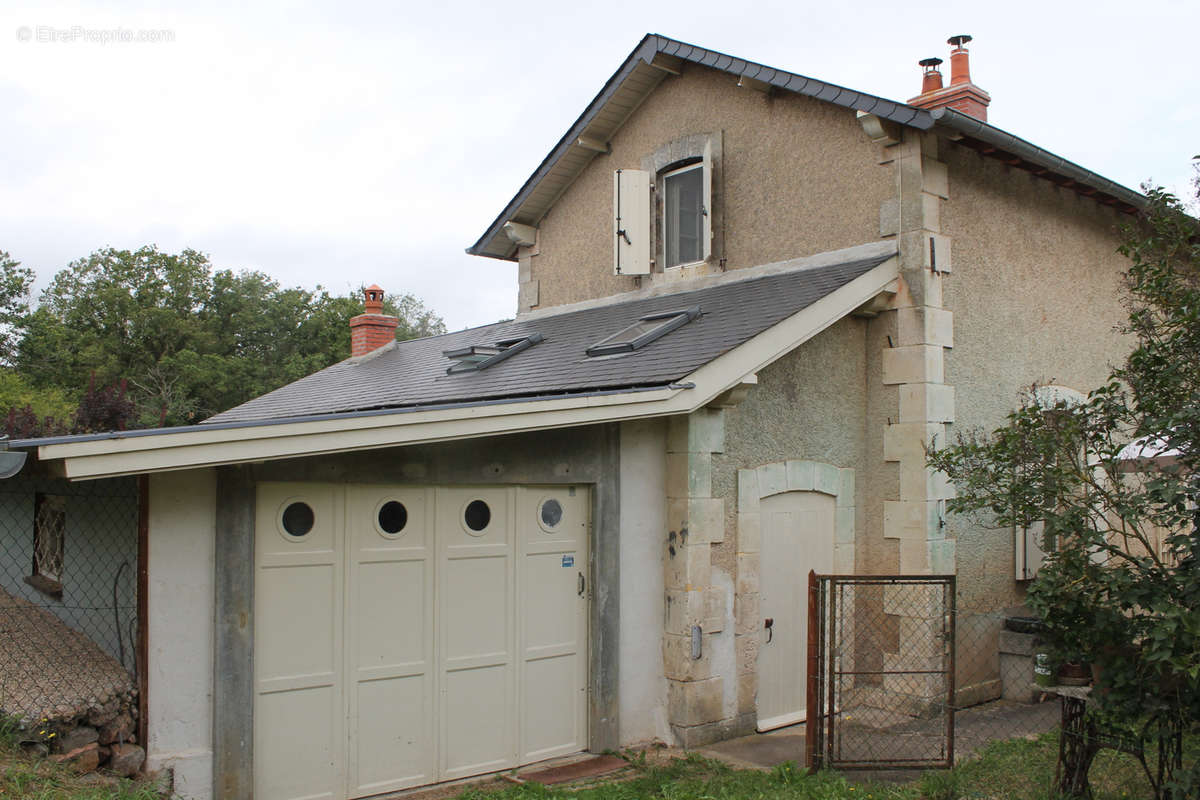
<point x="188" y="340"/>
<point x="1120" y="586"/>
<point x="15" y="283"/>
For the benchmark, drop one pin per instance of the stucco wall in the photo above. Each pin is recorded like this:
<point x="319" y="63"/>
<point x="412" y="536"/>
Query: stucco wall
<point x="799" y="177"/>
<point x="1036" y="295"/>
<point x="182" y="530"/>
<point x="643" y="694"/>
<point x="99" y="555"/>
<point x="811" y="404"/>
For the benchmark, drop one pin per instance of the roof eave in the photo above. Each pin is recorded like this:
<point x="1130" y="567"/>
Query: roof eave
<point x="998" y="143"/>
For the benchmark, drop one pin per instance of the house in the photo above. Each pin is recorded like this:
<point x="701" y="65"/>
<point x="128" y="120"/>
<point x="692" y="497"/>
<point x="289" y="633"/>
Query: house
<point x="748" y="301"/>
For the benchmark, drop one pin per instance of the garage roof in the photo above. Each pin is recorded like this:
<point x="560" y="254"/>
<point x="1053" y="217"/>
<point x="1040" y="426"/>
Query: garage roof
<point x="413" y="373"/>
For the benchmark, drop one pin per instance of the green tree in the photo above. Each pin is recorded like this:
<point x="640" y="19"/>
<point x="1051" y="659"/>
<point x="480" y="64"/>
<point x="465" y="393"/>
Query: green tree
<point x="15" y="284"/>
<point x="190" y="341"/>
<point x="1121" y="584"/>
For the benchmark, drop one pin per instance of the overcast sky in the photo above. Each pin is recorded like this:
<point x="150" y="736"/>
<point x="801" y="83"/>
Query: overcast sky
<point x="356" y="142"/>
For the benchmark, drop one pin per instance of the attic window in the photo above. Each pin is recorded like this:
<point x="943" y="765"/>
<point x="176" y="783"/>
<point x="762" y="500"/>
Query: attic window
<point x="643" y="332"/>
<point x="481" y="356"/>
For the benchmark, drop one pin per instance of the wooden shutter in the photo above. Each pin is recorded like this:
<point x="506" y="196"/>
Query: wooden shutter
<point x="1028" y="547"/>
<point x="631" y="222"/>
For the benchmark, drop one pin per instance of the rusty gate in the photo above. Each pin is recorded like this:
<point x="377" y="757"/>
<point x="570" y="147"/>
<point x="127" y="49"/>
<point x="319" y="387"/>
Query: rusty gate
<point x="880" y="671"/>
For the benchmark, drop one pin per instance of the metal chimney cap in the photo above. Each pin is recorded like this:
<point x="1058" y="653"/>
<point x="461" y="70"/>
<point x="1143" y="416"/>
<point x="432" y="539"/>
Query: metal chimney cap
<point x="929" y="62"/>
<point x="960" y="40"/>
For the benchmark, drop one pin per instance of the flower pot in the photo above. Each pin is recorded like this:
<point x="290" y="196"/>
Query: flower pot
<point x="1074" y="673"/>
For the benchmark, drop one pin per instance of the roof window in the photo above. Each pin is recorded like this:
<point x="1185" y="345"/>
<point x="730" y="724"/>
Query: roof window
<point x="481" y="356"/>
<point x="643" y="332"/>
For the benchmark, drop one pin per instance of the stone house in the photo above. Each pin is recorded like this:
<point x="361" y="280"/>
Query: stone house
<point x="748" y="301"/>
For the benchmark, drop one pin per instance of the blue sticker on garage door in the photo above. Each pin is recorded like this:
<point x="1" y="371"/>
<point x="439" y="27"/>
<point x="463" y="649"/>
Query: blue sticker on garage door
<point x="568" y="561"/>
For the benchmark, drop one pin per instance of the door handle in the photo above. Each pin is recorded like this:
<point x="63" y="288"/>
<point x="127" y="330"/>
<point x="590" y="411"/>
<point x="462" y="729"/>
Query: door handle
<point x="769" y="624"/>
<point x="582" y="584"/>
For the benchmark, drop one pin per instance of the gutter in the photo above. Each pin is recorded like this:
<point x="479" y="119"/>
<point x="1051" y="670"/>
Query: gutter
<point x="969" y="126"/>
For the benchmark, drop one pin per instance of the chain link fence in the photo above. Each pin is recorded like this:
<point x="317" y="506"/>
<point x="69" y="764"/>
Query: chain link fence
<point x="906" y="678"/>
<point x="68" y="596"/>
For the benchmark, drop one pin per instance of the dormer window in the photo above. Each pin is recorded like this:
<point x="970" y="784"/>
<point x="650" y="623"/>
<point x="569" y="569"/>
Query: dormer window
<point x="683" y="215"/>
<point x="643" y="332"/>
<point x="481" y="356"/>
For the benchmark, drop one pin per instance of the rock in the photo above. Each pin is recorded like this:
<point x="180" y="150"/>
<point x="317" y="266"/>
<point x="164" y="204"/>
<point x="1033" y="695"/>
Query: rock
<point x="104" y="781"/>
<point x="118" y="730"/>
<point x="82" y="759"/>
<point x="127" y="759"/>
<point x="104" y="714"/>
<point x="36" y="749"/>
<point x="77" y="738"/>
<point x="104" y="752"/>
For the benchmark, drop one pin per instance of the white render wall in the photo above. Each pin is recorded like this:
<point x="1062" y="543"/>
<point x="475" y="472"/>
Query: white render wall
<point x="182" y="592"/>
<point x="643" y="687"/>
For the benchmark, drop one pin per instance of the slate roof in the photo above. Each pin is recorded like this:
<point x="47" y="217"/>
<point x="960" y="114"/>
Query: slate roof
<point x="414" y="372"/>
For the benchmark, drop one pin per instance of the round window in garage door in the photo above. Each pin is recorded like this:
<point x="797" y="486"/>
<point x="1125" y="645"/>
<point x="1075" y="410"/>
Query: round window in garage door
<point x="391" y="519"/>
<point x="477" y="515"/>
<point x="550" y="514"/>
<point x="296" y="519"/>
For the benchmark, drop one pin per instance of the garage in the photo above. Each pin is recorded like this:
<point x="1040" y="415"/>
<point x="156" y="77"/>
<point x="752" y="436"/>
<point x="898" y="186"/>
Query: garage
<point x="408" y="635"/>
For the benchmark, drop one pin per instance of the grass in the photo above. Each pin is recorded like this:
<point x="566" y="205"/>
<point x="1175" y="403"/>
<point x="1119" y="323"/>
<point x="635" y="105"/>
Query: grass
<point x="1017" y="769"/>
<point x="30" y="778"/>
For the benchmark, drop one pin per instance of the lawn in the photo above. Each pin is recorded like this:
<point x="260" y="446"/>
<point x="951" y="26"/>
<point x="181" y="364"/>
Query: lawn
<point x="1018" y="769"/>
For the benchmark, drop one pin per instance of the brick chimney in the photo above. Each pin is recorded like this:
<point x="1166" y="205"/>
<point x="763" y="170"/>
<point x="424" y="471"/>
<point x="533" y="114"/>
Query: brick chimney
<point x="371" y="330"/>
<point x="961" y="94"/>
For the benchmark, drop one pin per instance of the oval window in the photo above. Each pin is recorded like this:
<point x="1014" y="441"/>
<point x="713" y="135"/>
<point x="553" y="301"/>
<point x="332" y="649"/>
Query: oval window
<point x="477" y="515"/>
<point x="298" y="519"/>
<point x="550" y="514"/>
<point x="393" y="516"/>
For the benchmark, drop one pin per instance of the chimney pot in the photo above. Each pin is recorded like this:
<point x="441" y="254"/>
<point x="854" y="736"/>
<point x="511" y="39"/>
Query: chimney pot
<point x="931" y="79"/>
<point x="373" y="329"/>
<point x="960" y="67"/>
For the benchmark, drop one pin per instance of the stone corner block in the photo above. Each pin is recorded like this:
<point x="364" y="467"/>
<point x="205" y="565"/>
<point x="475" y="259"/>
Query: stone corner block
<point x="693" y="703"/>
<point x="916" y="363"/>
<point x="845" y="495"/>
<point x="749" y="532"/>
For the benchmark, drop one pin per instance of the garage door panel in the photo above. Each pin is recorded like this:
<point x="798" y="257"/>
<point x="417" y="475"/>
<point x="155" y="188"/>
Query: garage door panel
<point x="296" y="625"/>
<point x="394" y="734"/>
<point x="298" y="735"/>
<point x="477" y="722"/>
<point x="391" y="613"/>
<point x="551" y="591"/>
<point x="475" y="606"/>
<point x="550" y="700"/>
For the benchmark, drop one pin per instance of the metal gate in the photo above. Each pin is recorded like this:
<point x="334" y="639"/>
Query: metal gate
<point x="880" y="671"/>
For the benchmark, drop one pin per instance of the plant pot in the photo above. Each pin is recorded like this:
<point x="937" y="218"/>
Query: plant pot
<point x="1043" y="669"/>
<point x="1074" y="673"/>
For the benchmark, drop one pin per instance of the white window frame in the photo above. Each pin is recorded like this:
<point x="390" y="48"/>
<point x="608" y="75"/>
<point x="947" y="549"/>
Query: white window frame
<point x="705" y="213"/>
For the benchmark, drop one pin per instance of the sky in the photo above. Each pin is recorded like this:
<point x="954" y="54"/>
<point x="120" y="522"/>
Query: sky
<point x="350" y="143"/>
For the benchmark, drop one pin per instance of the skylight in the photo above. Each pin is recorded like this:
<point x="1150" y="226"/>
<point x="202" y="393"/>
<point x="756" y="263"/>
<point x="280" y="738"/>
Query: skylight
<point x="482" y="356"/>
<point x="643" y="332"/>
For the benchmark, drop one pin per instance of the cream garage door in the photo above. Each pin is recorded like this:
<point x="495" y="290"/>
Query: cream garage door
<point x="406" y="635"/>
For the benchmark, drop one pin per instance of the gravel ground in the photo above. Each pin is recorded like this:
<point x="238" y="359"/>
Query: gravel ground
<point x="48" y="670"/>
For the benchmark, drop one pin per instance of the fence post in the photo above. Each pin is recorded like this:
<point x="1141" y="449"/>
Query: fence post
<point x="812" y="674"/>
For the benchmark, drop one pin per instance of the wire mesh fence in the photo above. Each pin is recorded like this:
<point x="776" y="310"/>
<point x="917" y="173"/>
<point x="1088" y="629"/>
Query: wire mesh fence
<point x="905" y="677"/>
<point x="68" y="596"/>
